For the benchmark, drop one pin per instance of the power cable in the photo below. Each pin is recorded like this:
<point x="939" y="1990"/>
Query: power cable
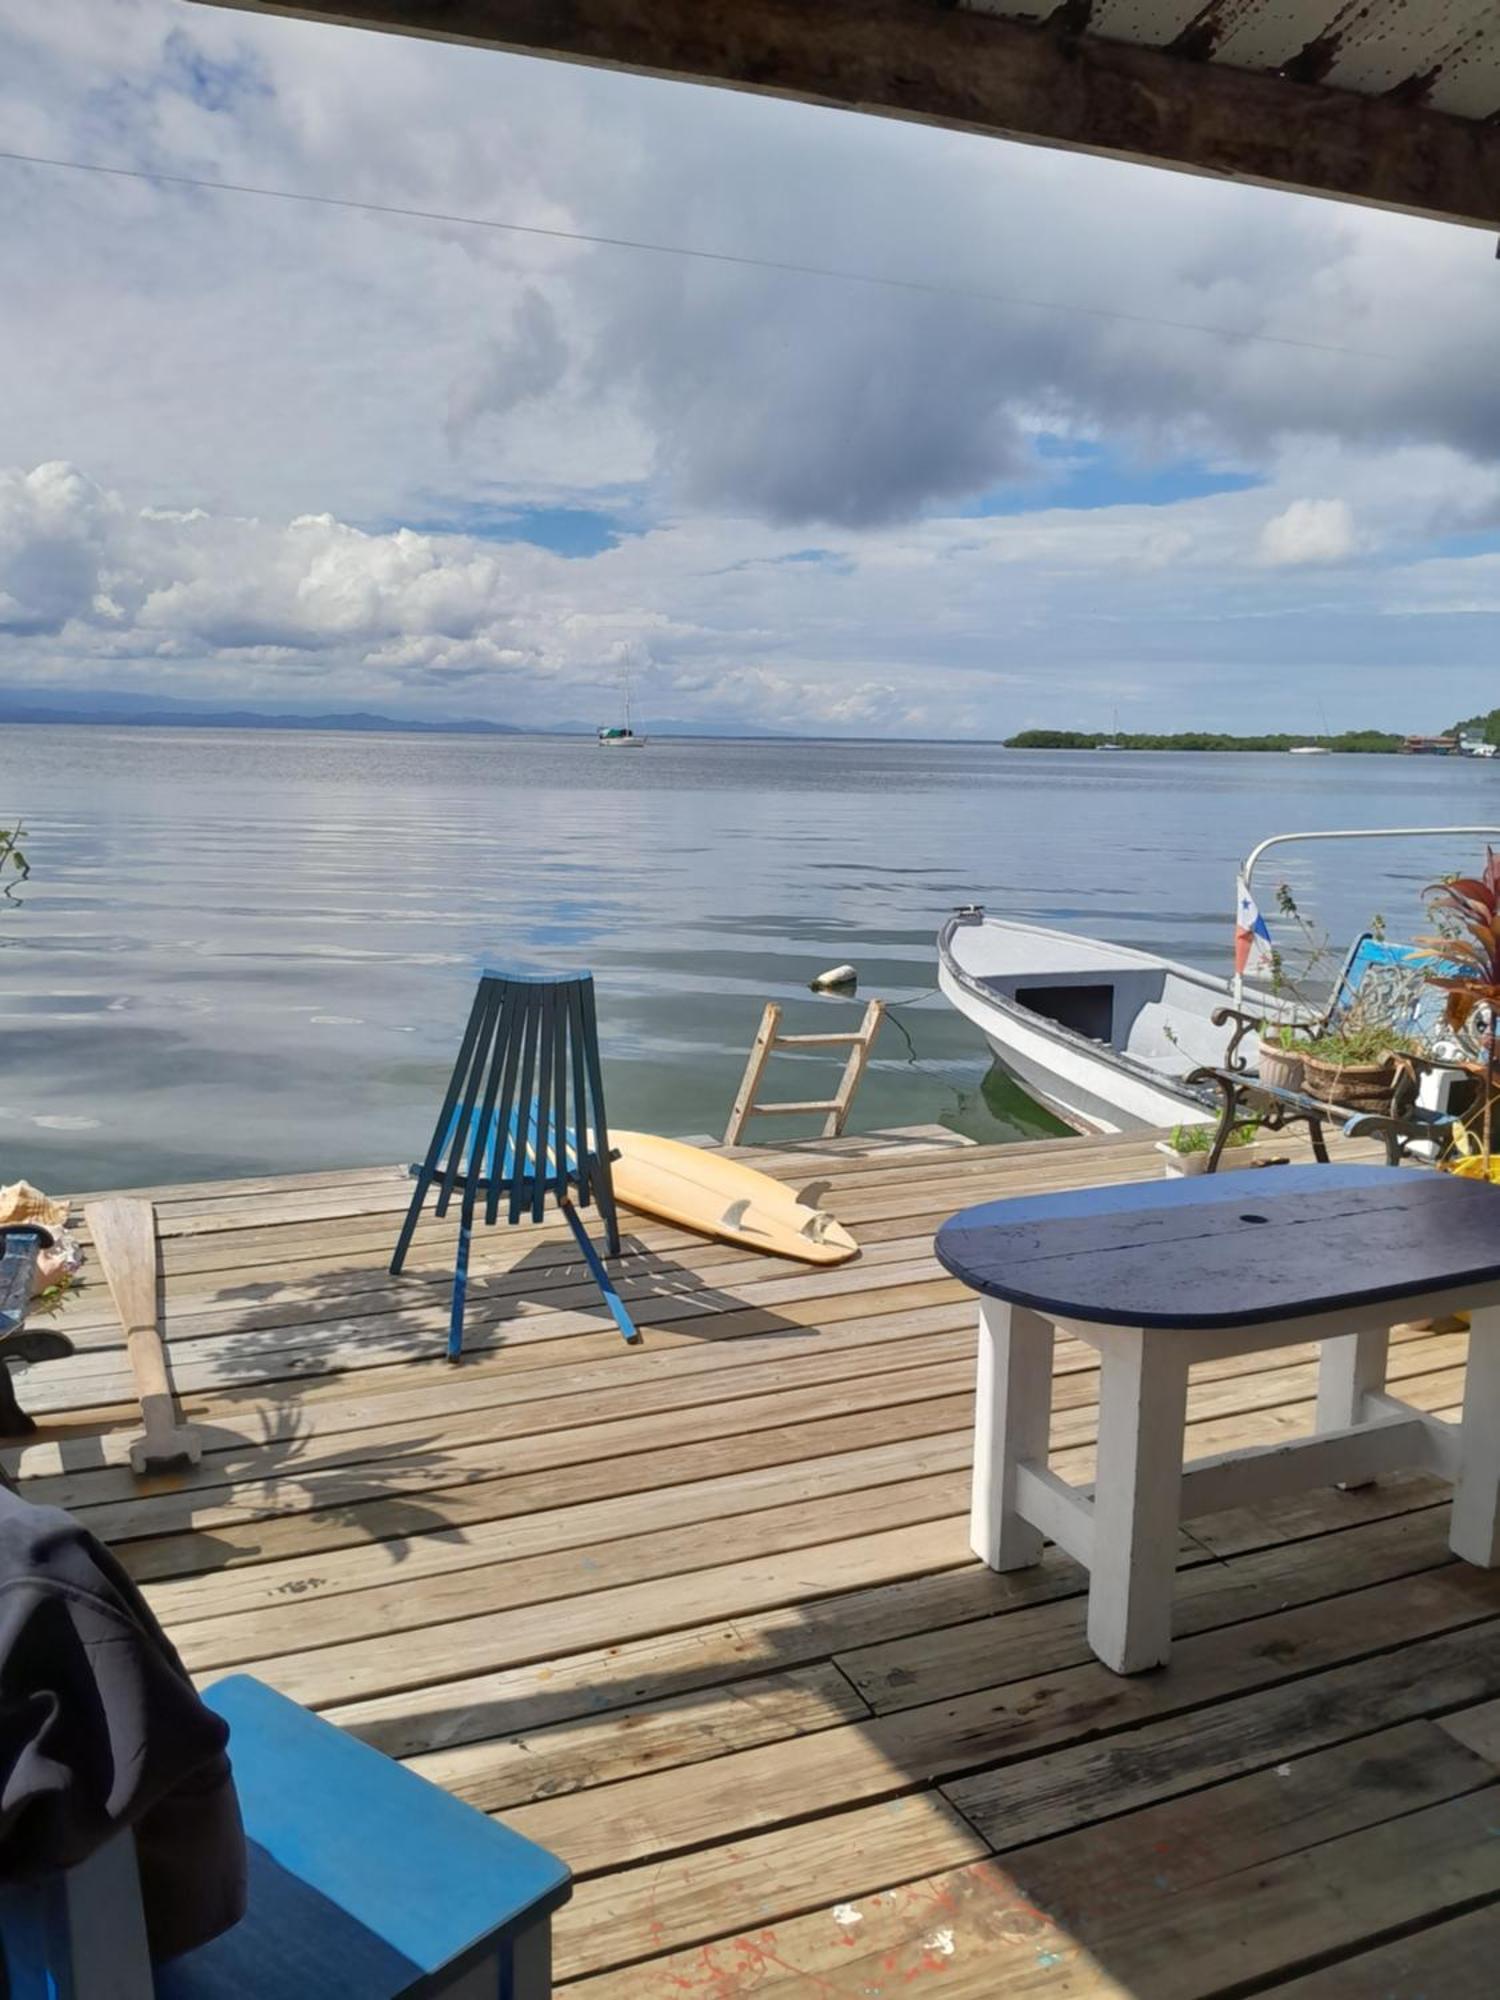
<point x="928" y="287"/>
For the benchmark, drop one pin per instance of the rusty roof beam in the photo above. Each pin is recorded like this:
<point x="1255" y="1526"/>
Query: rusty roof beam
<point x="944" y="65"/>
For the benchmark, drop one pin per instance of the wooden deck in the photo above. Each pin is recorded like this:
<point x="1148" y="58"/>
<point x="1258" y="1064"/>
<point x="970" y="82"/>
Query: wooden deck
<point x="702" y="1616"/>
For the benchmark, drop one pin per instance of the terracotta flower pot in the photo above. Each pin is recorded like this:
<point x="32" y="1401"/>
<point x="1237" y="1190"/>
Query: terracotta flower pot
<point x="1281" y="1068"/>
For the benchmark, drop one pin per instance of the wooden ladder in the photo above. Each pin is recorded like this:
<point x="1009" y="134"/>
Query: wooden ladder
<point x="859" y="1041"/>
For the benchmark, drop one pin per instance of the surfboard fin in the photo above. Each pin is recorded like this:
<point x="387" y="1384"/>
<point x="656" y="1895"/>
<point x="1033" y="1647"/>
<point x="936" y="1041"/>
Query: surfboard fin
<point x="734" y="1216"/>
<point x="816" y="1225"/>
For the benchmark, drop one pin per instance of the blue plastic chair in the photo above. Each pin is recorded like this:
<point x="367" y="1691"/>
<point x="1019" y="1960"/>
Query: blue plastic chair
<point x="1389" y="983"/>
<point x="523" y="1118"/>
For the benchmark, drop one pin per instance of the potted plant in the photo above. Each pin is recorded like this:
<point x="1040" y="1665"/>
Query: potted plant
<point x="1186" y="1151"/>
<point x="1357" y="1066"/>
<point x="1280" y="1054"/>
<point x="1284" y="1038"/>
<point x="1465" y="962"/>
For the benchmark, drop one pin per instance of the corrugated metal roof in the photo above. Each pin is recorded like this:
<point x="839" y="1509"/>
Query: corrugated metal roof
<point x="1391" y="102"/>
<point x="1444" y="54"/>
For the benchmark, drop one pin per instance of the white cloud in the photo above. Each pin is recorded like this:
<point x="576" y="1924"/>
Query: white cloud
<point x="956" y="626"/>
<point x="1309" y="531"/>
<point x="294" y="426"/>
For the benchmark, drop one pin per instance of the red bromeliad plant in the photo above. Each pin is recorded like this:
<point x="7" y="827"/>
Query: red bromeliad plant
<point x="1466" y="960"/>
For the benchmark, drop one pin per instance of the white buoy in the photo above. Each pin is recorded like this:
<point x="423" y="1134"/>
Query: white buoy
<point x="836" y="978"/>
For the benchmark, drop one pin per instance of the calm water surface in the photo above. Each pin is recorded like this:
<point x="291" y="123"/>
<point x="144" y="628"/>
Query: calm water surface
<point x="247" y="952"/>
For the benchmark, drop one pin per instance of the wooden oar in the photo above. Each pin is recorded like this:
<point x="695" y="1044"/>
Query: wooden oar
<point x="124" y="1236"/>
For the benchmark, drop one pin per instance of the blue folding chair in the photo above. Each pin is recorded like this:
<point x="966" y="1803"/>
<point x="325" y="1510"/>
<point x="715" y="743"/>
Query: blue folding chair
<point x="523" y="1118"/>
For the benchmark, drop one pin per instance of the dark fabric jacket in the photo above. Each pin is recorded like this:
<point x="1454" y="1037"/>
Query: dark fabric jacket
<point x="100" y="1729"/>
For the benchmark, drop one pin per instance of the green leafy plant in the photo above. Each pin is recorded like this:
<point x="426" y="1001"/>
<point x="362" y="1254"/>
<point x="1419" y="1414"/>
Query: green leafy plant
<point x="1359" y="1043"/>
<point x="1198" y="1138"/>
<point x="1300" y="976"/>
<point x="1465" y="964"/>
<point x="1290" y="1036"/>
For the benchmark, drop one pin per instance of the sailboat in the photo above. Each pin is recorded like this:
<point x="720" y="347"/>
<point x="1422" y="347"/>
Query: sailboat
<point x="1113" y="743"/>
<point x="623" y="738"/>
<point x="1313" y="749"/>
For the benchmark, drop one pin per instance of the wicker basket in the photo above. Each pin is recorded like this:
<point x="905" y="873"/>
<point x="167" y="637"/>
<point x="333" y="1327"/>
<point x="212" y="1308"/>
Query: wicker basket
<point x="1354" y="1086"/>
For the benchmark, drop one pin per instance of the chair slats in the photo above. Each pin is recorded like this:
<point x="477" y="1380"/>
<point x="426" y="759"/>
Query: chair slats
<point x="485" y="1008"/>
<point x="505" y="1106"/>
<point x="546" y="1036"/>
<point x="584" y="1174"/>
<point x="522" y="1118"/>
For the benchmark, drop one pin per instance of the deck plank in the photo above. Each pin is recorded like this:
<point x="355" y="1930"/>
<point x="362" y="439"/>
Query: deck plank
<point x="1001" y="1725"/>
<point x="1058" y="1909"/>
<point x="1450" y="1960"/>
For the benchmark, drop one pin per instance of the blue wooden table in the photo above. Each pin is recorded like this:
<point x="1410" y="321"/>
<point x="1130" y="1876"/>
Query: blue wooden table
<point x="1160" y="1275"/>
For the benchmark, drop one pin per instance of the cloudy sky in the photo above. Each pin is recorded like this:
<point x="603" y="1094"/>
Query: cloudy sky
<point x="1118" y="440"/>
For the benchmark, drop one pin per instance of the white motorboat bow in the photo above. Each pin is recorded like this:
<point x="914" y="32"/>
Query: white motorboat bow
<point x="1099" y="1033"/>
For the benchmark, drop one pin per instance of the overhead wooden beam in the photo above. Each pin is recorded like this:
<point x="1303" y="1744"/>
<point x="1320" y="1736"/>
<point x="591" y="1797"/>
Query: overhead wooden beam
<point x="942" y="64"/>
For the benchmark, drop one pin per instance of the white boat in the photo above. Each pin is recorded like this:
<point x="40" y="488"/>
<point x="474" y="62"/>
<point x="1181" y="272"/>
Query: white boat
<point x="1099" y="1033"/>
<point x="1105" y="1035"/>
<point x="1308" y="750"/>
<point x="623" y="738"/>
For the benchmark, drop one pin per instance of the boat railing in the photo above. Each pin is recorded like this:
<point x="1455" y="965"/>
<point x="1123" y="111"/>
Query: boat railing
<point x="1248" y="865"/>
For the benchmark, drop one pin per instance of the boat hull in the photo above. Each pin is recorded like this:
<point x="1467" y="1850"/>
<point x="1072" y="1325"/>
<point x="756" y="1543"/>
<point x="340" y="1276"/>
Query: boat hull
<point x="1090" y="1093"/>
<point x="1103" y="1035"/>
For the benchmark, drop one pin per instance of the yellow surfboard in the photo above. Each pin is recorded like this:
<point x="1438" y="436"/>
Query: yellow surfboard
<point x="718" y="1197"/>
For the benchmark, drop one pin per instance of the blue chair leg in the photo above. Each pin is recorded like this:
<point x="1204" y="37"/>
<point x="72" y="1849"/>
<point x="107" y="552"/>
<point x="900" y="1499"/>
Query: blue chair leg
<point x="408" y="1228"/>
<point x="78" y="1935"/>
<point x="604" y="1194"/>
<point x="460" y="1294"/>
<point x="600" y="1276"/>
<point x="526" y="1963"/>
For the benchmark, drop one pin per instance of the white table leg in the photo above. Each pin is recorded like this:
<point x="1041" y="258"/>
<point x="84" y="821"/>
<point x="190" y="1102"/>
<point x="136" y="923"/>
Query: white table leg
<point x="1475" y="1533"/>
<point x="1012" y="1414"/>
<point x="1350" y="1367"/>
<point x="1137" y="1494"/>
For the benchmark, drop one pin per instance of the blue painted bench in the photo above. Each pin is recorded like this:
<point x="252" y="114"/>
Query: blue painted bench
<point x="365" y="1883"/>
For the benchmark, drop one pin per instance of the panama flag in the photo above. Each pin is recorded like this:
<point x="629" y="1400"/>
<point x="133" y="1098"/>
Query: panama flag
<point x="1252" y="941"/>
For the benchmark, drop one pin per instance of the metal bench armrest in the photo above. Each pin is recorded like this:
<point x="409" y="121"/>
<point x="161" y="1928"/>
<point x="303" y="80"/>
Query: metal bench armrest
<point x="1244" y="1024"/>
<point x="1401" y="1133"/>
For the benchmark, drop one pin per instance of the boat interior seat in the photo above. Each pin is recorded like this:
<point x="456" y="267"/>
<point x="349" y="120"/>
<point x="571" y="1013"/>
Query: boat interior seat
<point x="1175" y="1064"/>
<point x="1173" y="1038"/>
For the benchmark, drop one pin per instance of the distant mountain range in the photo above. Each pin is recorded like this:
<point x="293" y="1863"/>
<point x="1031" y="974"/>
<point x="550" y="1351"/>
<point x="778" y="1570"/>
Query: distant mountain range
<point x="127" y="711"/>
<point x="121" y="711"/>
